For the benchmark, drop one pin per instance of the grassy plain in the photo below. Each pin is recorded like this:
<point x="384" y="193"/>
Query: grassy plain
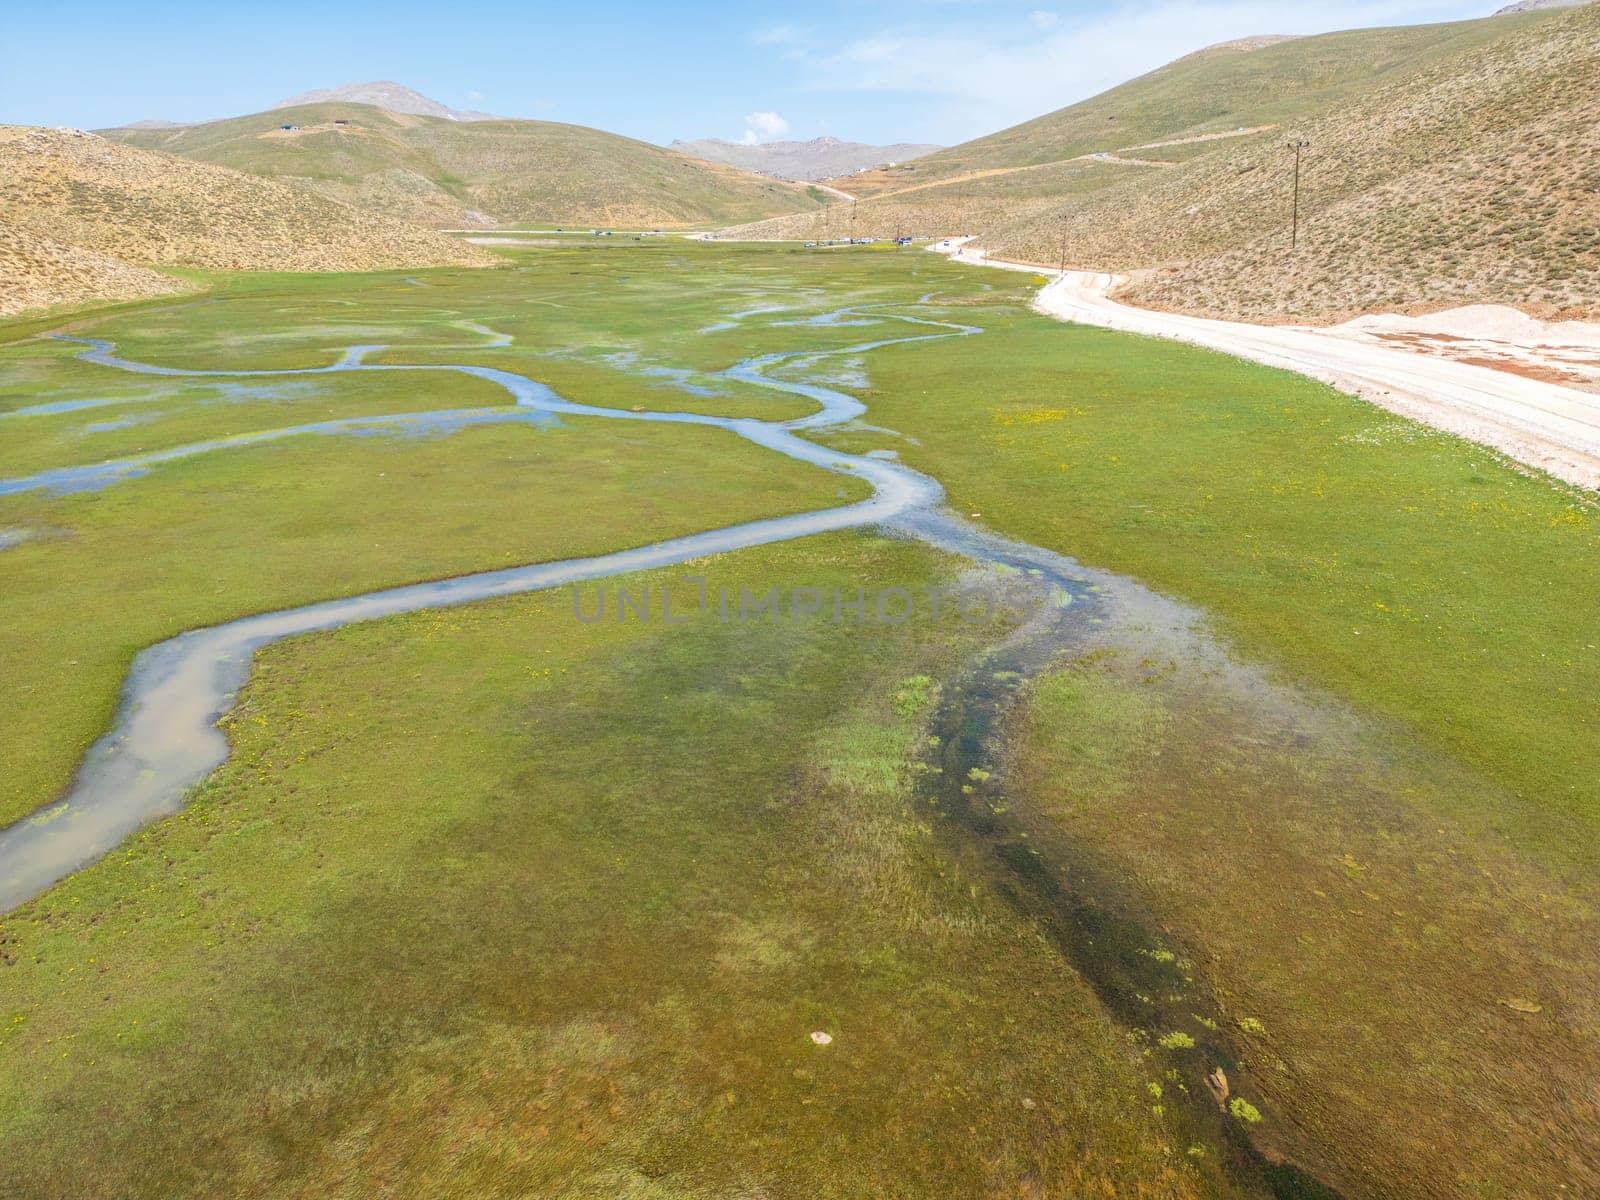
<point x="265" y="527"/>
<point x="1320" y="533"/>
<point x="241" y="530"/>
<point x="492" y="901"/>
<point x="1402" y="815"/>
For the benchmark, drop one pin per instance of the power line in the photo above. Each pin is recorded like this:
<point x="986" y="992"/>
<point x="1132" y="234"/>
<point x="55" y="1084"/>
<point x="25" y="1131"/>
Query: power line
<point x="1297" y="146"/>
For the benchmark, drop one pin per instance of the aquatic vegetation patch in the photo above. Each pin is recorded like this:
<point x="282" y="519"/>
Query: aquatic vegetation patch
<point x="915" y="695"/>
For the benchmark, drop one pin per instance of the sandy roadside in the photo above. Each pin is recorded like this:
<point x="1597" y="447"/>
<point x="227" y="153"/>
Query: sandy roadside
<point x="1394" y="362"/>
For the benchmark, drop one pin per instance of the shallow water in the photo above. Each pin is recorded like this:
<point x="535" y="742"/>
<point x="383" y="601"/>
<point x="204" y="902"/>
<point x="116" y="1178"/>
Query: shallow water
<point x="165" y="740"/>
<point x="55" y="407"/>
<point x="126" y="422"/>
<point x="238" y="392"/>
<point x="1084" y="913"/>
<point x="731" y="321"/>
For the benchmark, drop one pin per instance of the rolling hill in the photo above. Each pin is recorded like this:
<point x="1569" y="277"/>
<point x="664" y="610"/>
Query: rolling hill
<point x="84" y="218"/>
<point x="1221" y="89"/>
<point x="819" y="158"/>
<point x="1448" y="164"/>
<point x="449" y="173"/>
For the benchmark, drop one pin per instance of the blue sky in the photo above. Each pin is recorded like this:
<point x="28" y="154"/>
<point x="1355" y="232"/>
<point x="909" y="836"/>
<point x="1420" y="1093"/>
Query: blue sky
<point x="874" y="70"/>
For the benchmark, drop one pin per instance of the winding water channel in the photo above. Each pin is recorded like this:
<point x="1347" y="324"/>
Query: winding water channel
<point x="164" y="739"/>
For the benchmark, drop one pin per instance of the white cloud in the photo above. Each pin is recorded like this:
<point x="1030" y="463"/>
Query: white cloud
<point x="993" y="73"/>
<point x="763" y="127"/>
<point x="475" y="96"/>
<point x="790" y="41"/>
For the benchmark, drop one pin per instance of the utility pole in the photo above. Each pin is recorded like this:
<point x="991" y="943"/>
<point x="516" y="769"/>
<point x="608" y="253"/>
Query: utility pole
<point x="1297" y="146"/>
<point x="852" y="222"/>
<point x="1063" y="247"/>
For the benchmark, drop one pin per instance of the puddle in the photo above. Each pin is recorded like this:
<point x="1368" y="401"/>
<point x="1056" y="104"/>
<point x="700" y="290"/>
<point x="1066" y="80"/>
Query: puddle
<point x="126" y="422"/>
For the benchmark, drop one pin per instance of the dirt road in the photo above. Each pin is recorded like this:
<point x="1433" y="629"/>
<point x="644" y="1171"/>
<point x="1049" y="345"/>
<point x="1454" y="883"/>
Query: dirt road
<point x="1543" y="424"/>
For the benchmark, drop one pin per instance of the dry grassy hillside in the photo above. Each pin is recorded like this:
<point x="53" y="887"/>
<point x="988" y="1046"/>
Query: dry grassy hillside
<point x="40" y="272"/>
<point x="449" y="174"/>
<point x="1471" y="176"/>
<point x="1477" y="181"/>
<point x="82" y="212"/>
<point x="156" y="208"/>
<point x="1215" y="91"/>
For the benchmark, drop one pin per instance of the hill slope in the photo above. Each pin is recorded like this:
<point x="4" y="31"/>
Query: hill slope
<point x="39" y="272"/>
<point x="448" y="173"/>
<point x="1461" y="174"/>
<point x="820" y="158"/>
<point x="1475" y="180"/>
<point x="80" y="211"/>
<point x="1223" y="88"/>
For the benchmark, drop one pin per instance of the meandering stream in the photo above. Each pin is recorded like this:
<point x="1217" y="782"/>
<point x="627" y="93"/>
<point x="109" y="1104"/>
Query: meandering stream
<point x="165" y="739"/>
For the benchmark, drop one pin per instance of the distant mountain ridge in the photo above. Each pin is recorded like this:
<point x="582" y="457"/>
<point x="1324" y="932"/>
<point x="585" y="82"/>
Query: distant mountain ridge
<point x="1522" y="6"/>
<point x="389" y="96"/>
<point x="820" y="158"/>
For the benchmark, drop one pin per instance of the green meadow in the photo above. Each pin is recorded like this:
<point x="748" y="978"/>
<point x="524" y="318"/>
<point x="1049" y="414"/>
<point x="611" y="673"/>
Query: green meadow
<point x="490" y="901"/>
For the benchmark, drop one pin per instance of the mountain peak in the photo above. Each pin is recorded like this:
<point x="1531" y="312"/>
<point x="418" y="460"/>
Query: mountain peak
<point x="387" y="95"/>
